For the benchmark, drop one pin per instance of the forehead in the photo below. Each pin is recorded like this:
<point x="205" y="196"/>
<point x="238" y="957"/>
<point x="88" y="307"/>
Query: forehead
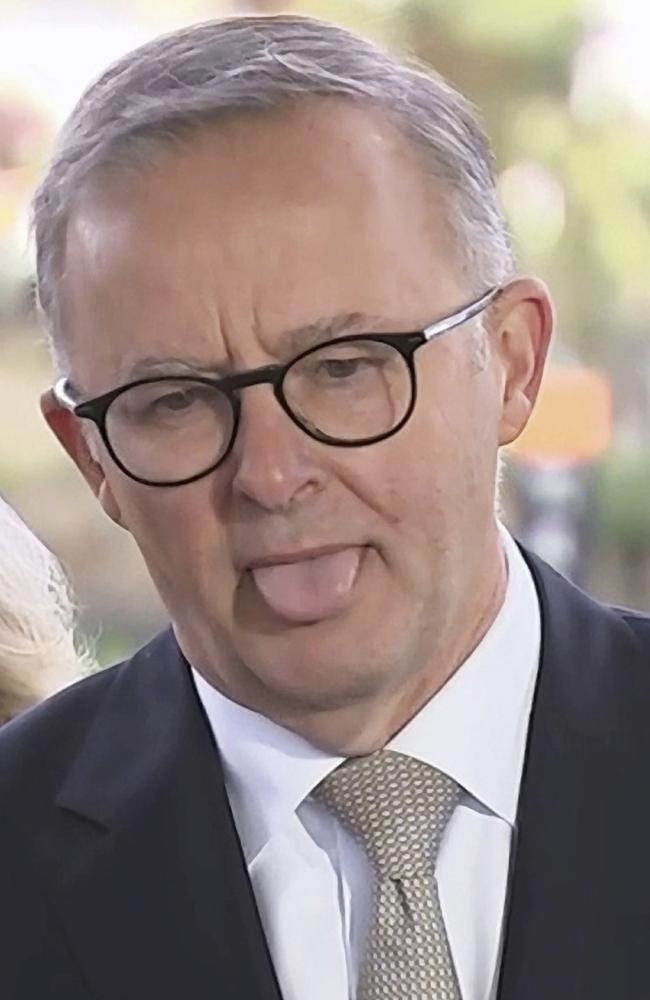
<point x="255" y="226"/>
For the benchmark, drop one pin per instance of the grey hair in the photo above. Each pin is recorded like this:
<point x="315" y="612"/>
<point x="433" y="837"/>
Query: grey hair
<point x="170" y="87"/>
<point x="38" y="654"/>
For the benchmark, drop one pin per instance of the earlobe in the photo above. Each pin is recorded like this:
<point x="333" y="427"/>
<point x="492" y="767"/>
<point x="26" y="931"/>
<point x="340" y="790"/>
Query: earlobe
<point x="69" y="431"/>
<point x="515" y="414"/>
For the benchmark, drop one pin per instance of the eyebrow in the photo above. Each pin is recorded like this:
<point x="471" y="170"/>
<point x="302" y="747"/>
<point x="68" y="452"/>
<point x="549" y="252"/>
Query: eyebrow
<point x="322" y="330"/>
<point x="291" y="342"/>
<point x="171" y="365"/>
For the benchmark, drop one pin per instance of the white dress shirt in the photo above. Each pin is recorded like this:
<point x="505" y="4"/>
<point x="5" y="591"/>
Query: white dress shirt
<point x="312" y="881"/>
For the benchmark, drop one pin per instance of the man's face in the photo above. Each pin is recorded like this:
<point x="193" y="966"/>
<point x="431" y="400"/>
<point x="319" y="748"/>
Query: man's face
<point x="216" y="257"/>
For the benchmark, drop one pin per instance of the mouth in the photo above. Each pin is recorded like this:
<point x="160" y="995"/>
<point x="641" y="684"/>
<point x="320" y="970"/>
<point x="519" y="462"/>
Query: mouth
<point x="308" y="586"/>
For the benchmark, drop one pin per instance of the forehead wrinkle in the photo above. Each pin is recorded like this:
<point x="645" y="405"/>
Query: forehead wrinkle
<point x="291" y="342"/>
<point x="303" y="337"/>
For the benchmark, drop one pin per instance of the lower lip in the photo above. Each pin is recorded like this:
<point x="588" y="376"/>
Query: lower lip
<point x="311" y="590"/>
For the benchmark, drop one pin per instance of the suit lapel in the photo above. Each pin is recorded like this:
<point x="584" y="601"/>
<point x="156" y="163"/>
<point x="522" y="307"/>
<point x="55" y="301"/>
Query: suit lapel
<point x="147" y="863"/>
<point x="568" y="933"/>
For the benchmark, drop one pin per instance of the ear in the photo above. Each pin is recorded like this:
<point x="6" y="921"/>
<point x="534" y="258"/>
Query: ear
<point x="88" y="459"/>
<point x="521" y="336"/>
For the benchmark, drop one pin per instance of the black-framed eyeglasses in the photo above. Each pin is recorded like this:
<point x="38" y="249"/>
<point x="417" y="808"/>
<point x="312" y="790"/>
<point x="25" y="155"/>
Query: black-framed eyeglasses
<point x="353" y="391"/>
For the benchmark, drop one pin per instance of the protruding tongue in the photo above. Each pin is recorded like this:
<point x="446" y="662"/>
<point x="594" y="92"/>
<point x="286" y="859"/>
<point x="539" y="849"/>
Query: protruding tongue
<point x="311" y="588"/>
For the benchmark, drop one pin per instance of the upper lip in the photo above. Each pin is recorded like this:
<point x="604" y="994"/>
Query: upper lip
<point x="297" y="555"/>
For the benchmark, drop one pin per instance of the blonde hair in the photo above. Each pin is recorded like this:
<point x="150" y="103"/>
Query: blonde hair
<point x="38" y="654"/>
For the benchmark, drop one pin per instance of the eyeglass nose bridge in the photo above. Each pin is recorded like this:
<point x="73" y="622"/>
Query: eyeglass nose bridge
<point x="272" y="375"/>
<point x="268" y="374"/>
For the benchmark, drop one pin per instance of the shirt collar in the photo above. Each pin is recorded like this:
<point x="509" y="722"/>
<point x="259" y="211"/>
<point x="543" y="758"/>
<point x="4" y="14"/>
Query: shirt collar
<point x="474" y="729"/>
<point x="268" y="769"/>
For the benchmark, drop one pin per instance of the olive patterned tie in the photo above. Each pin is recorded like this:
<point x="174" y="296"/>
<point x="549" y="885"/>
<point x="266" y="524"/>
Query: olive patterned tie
<point x="397" y="807"/>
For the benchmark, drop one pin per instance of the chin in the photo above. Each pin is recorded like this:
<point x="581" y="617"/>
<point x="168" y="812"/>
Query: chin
<point x="313" y="671"/>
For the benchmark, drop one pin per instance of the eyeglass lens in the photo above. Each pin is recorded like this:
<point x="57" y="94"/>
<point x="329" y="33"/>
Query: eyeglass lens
<point x="168" y="430"/>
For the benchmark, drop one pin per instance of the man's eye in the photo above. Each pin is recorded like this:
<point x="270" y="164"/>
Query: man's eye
<point x="149" y="404"/>
<point x="177" y="401"/>
<point x="340" y="368"/>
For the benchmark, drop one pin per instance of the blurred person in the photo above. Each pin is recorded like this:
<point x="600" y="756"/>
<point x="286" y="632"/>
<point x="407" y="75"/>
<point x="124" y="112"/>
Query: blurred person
<point x="382" y="751"/>
<point x="37" y="645"/>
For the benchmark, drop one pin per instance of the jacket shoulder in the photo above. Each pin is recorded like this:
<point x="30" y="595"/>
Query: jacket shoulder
<point x="37" y="746"/>
<point x="639" y="621"/>
<point x="44" y="736"/>
<point x="638" y="626"/>
<point x="563" y="602"/>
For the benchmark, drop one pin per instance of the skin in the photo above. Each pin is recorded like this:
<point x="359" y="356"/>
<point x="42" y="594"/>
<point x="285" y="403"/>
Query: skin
<point x="253" y="229"/>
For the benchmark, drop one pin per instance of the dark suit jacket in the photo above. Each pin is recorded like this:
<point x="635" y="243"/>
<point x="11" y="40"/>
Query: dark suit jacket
<point x="122" y="876"/>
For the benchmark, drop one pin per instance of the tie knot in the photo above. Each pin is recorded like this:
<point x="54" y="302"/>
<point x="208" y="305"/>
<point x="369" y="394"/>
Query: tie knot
<point x="396" y="806"/>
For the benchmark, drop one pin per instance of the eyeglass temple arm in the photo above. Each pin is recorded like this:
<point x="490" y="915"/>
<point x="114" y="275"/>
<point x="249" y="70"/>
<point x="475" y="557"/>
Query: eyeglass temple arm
<point x="462" y="316"/>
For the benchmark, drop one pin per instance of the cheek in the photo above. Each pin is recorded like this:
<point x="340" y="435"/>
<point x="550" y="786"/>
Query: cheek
<point x="437" y="474"/>
<point x="459" y="420"/>
<point x="176" y="529"/>
<point x="403" y="484"/>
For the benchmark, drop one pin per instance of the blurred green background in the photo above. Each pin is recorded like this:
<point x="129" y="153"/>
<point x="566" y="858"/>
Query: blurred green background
<point x="563" y="87"/>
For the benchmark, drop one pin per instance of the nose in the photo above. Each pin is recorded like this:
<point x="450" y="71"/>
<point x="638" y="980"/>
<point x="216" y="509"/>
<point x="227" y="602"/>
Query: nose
<point x="274" y="462"/>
